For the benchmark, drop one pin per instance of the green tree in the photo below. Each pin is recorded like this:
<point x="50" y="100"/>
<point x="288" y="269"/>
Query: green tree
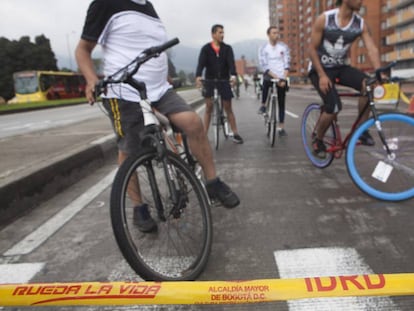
<point x="23" y="55"/>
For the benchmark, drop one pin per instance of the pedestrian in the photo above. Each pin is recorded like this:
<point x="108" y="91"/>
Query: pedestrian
<point x="124" y="29"/>
<point x="274" y="59"/>
<point x="217" y="59"/>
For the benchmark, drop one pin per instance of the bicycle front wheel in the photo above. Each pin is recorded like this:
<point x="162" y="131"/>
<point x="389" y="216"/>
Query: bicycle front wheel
<point x="309" y="124"/>
<point x="272" y="122"/>
<point x="180" y="247"/>
<point x="388" y="177"/>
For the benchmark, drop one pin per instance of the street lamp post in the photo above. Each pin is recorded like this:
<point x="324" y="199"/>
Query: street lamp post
<point x="69" y="48"/>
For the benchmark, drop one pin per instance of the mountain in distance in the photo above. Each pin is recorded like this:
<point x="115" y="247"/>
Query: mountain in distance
<point x="185" y="58"/>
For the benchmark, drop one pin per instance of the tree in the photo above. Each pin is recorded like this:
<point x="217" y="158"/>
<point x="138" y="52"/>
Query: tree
<point x="23" y="55"/>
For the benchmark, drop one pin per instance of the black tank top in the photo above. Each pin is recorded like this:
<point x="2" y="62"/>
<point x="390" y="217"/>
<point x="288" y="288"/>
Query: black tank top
<point x="336" y="41"/>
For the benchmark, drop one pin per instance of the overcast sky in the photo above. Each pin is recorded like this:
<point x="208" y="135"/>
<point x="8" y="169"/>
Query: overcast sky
<point x="190" y="20"/>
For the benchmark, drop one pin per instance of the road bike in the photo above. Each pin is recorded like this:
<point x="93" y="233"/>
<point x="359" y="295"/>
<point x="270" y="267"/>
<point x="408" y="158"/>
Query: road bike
<point x="258" y="87"/>
<point x="219" y="120"/>
<point x="163" y="176"/>
<point x="270" y="116"/>
<point x="384" y="171"/>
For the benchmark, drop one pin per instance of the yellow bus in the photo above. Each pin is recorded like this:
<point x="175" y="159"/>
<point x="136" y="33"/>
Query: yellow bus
<point x="37" y="86"/>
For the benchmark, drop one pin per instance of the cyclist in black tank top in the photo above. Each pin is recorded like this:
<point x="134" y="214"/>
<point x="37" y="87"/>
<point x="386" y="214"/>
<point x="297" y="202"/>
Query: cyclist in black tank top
<point x="332" y="36"/>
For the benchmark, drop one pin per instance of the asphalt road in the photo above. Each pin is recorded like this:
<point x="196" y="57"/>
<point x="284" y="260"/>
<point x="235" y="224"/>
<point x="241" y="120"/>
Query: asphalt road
<point x="294" y="221"/>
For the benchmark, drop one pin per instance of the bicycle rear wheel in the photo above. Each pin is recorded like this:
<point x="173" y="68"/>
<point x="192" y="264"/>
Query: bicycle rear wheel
<point x="272" y="122"/>
<point x="216" y="123"/>
<point x="388" y="178"/>
<point x="180" y="248"/>
<point x="310" y="120"/>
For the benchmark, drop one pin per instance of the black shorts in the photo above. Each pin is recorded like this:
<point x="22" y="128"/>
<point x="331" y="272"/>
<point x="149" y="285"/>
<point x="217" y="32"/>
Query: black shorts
<point x="127" y="119"/>
<point x="345" y="75"/>
<point x="223" y="88"/>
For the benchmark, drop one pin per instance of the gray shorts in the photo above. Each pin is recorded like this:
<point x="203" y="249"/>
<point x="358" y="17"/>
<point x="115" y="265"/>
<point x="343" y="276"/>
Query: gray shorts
<point x="127" y="119"/>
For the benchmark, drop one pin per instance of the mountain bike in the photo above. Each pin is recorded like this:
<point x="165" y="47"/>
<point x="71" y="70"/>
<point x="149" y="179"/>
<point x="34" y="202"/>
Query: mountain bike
<point x="162" y="175"/>
<point x="270" y="116"/>
<point x="219" y="121"/>
<point x="384" y="171"/>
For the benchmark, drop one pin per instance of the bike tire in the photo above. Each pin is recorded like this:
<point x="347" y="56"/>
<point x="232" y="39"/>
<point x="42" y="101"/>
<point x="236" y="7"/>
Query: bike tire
<point x="272" y="122"/>
<point x="180" y="247"/>
<point x="368" y="166"/>
<point x="216" y="124"/>
<point x="309" y="121"/>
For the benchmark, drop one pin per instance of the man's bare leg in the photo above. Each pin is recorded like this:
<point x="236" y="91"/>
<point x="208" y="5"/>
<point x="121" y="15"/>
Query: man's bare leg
<point x="207" y="114"/>
<point x="134" y="190"/>
<point x="192" y="126"/>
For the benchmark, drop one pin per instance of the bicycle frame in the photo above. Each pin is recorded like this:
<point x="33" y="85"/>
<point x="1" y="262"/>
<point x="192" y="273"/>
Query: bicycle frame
<point x="219" y="118"/>
<point x="340" y="145"/>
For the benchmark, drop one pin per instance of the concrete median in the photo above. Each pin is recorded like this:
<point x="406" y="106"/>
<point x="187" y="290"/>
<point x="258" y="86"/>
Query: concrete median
<point x="39" y="165"/>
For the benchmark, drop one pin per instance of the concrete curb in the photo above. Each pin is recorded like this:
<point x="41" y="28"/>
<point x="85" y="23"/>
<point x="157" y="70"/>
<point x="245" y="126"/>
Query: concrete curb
<point x="43" y="183"/>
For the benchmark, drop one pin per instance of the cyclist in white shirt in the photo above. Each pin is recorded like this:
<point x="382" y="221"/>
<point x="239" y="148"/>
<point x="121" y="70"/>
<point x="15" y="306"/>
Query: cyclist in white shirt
<point x="125" y="28"/>
<point x="274" y="59"/>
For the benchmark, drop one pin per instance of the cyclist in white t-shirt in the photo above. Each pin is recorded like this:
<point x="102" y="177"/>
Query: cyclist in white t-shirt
<point x="274" y="59"/>
<point x="125" y="28"/>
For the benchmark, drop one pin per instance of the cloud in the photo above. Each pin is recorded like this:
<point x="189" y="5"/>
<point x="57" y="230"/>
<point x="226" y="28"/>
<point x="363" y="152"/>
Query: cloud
<point x="242" y="19"/>
<point x="190" y="20"/>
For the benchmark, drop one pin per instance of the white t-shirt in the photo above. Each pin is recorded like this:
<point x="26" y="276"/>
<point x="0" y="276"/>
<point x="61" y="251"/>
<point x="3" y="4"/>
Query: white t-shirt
<point x="275" y="58"/>
<point x="125" y="28"/>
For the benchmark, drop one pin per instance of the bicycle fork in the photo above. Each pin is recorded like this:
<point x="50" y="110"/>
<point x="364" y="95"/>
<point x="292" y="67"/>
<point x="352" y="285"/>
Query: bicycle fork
<point x="390" y="155"/>
<point x="175" y="199"/>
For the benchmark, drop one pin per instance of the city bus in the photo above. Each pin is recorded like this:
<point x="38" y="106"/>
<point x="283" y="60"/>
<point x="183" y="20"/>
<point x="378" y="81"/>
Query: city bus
<point x="38" y="86"/>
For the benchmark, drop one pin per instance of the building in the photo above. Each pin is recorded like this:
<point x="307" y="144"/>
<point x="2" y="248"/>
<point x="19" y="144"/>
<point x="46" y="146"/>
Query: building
<point x="294" y="20"/>
<point x="402" y="36"/>
<point x="391" y="24"/>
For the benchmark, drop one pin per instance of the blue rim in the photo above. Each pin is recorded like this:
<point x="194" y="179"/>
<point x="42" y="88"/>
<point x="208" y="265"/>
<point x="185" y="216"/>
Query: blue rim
<point x="320" y="163"/>
<point x="385" y="196"/>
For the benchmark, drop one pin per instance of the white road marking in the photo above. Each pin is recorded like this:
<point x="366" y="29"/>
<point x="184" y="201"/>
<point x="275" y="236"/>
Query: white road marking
<point x="39" y="236"/>
<point x="19" y="272"/>
<point x="104" y="139"/>
<point x="319" y="262"/>
<point x="295" y="116"/>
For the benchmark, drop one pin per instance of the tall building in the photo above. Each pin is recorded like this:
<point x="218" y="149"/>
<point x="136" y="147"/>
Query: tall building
<point x="296" y="18"/>
<point x="402" y="36"/>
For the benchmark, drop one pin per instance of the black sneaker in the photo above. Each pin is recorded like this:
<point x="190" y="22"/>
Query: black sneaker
<point x="237" y="139"/>
<point x="366" y="139"/>
<point x="282" y="133"/>
<point x="319" y="148"/>
<point x="143" y="219"/>
<point x="262" y="110"/>
<point x="219" y="191"/>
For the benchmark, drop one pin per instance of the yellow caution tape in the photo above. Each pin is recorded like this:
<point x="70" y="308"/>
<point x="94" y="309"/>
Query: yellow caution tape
<point x="204" y="292"/>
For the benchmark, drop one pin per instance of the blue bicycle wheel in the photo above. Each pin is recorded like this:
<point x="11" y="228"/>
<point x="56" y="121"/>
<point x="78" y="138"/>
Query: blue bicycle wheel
<point x="388" y="177"/>
<point x="310" y="119"/>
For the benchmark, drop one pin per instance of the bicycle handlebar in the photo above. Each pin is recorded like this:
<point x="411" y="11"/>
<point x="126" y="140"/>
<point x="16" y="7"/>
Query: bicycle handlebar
<point x="127" y="74"/>
<point x="159" y="49"/>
